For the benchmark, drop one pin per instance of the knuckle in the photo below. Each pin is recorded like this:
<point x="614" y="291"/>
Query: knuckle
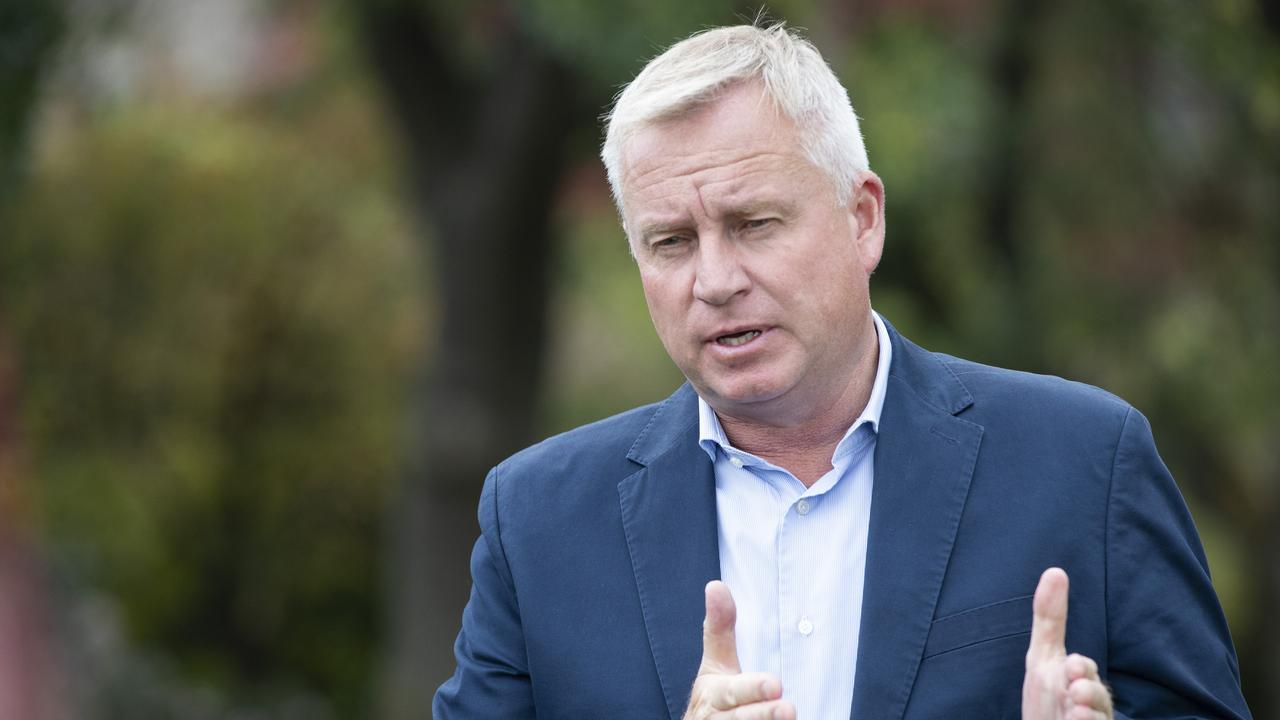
<point x="702" y="698"/>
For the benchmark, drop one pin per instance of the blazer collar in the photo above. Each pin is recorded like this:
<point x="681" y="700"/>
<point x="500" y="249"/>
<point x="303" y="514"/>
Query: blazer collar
<point x="669" y="519"/>
<point x="669" y="428"/>
<point x="924" y="461"/>
<point x="925" y="375"/>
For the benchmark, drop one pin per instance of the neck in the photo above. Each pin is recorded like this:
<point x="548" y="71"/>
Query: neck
<point x="804" y="446"/>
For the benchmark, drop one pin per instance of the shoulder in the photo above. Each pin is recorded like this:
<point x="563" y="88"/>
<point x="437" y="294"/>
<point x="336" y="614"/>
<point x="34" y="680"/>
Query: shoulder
<point x="988" y="394"/>
<point x="603" y="442"/>
<point x="999" y="392"/>
<point x="582" y="467"/>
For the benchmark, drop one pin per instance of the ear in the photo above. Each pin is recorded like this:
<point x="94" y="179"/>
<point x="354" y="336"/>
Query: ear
<point x="866" y="213"/>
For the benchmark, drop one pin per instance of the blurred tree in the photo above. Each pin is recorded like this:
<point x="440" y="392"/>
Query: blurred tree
<point x="484" y="153"/>
<point x="29" y="33"/>
<point x="1088" y="190"/>
<point x="211" y="350"/>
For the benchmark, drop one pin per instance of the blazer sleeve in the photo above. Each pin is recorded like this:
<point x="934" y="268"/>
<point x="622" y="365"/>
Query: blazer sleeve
<point x="492" y="676"/>
<point x="1170" y="653"/>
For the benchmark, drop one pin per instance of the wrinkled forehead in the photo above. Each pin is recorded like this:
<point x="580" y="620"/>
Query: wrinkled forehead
<point x="717" y="181"/>
<point x="739" y="139"/>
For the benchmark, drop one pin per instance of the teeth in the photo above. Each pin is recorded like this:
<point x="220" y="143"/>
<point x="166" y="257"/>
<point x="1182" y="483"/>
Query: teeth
<point x="739" y="339"/>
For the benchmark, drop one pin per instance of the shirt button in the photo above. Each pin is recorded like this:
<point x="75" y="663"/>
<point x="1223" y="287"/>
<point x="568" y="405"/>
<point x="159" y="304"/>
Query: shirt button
<point x="736" y="462"/>
<point x="805" y="626"/>
<point x="802" y="507"/>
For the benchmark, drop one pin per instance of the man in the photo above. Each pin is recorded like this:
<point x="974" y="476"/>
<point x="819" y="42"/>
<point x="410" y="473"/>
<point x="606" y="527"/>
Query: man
<point x="862" y="528"/>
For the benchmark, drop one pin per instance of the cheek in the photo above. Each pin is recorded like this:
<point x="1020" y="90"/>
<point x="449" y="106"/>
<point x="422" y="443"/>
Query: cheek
<point x="661" y="296"/>
<point x="834" y="292"/>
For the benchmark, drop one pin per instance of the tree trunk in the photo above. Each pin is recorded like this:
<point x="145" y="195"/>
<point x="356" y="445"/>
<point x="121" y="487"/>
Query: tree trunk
<point x="29" y="32"/>
<point x="485" y="159"/>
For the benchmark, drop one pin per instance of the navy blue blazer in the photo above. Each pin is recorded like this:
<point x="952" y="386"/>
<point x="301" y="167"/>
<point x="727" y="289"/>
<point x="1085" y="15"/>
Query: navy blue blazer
<point x="587" y="595"/>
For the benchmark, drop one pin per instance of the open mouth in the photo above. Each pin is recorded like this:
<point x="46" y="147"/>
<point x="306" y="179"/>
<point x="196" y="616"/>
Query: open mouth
<point x="737" y="339"/>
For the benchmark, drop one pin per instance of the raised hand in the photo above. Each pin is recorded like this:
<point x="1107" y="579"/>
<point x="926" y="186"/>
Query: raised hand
<point x="1059" y="686"/>
<point x="722" y="691"/>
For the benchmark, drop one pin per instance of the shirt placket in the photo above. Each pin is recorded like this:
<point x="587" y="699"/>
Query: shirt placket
<point x="795" y="623"/>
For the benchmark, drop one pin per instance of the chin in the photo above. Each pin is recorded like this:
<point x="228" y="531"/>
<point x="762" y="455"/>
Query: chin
<point x="741" y="394"/>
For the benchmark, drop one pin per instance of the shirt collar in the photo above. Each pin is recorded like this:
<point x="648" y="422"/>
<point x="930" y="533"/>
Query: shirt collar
<point x="711" y="435"/>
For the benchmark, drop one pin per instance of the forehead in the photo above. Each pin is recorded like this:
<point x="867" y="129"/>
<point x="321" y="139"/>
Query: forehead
<point x="735" y="147"/>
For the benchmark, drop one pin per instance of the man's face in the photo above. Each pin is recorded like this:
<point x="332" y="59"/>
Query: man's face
<point x="755" y="278"/>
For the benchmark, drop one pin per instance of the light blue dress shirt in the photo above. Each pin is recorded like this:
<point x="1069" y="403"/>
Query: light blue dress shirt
<point x="794" y="557"/>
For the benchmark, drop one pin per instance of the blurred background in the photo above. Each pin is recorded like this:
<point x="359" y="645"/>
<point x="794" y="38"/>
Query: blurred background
<point x="281" y="279"/>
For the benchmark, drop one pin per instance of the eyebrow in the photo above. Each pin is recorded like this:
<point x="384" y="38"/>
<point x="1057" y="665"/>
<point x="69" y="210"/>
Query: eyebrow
<point x="666" y="225"/>
<point x="662" y="226"/>
<point x="762" y="207"/>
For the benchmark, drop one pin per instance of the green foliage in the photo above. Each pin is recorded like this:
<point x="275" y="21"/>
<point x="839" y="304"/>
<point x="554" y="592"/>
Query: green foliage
<point x="1146" y="164"/>
<point x="601" y="331"/>
<point x="215" y="318"/>
<point x="610" y="42"/>
<point x="926" y="111"/>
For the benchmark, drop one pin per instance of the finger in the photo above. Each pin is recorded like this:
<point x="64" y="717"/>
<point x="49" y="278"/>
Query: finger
<point x="1084" y="713"/>
<point x="719" y="647"/>
<point x="783" y="710"/>
<point x="731" y="691"/>
<point x="1080" y="666"/>
<point x="772" y="710"/>
<point x="1090" y="694"/>
<point x="1049" y="619"/>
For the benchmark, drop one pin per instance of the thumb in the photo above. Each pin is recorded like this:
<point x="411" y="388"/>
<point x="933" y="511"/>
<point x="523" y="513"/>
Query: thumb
<point x="1049" y="621"/>
<point x="719" y="645"/>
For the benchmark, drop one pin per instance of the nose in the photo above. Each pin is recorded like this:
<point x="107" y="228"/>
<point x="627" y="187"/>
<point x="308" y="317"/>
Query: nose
<point x="720" y="275"/>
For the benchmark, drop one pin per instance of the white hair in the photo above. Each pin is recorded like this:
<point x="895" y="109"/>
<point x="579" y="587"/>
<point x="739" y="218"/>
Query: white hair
<point x="693" y="72"/>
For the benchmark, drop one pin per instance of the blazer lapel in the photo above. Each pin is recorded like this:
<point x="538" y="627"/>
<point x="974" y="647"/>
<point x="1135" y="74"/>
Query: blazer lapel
<point x="924" y="460"/>
<point x="669" y="518"/>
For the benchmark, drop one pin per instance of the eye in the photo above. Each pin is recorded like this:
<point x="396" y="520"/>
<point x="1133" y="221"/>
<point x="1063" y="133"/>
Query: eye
<point x="668" y="243"/>
<point x="756" y="223"/>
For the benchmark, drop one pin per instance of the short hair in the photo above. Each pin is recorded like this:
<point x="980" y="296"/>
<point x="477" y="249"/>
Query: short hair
<point x="695" y="71"/>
